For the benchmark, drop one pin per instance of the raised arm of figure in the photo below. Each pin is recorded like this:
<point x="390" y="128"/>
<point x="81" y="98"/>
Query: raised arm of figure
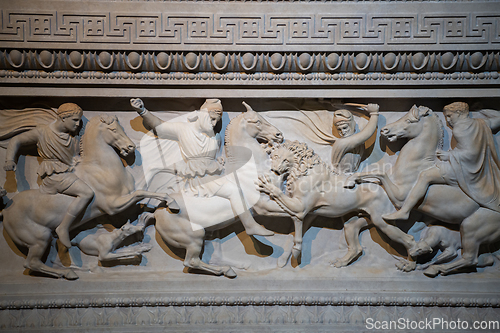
<point x="370" y="128"/>
<point x="26" y="138"/>
<point x="150" y="121"/>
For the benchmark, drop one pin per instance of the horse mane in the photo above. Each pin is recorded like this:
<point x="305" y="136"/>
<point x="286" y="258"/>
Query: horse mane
<point x="416" y="113"/>
<point x="93" y="122"/>
<point x="305" y="159"/>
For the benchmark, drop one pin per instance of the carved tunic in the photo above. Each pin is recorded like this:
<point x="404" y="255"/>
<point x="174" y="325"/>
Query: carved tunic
<point x="199" y="169"/>
<point x="58" y="151"/>
<point x="475" y="163"/>
<point x="346" y="155"/>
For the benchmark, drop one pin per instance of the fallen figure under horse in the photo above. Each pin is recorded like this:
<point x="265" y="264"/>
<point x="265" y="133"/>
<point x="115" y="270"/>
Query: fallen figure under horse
<point x="425" y="134"/>
<point x="31" y="217"/>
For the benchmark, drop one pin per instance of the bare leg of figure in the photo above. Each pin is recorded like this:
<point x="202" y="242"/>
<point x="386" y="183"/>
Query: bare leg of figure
<point x="426" y="178"/>
<point x="231" y="192"/>
<point x="84" y="195"/>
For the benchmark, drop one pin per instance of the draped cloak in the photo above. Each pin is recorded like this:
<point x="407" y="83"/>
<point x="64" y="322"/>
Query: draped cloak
<point x="317" y="126"/>
<point x="475" y="162"/>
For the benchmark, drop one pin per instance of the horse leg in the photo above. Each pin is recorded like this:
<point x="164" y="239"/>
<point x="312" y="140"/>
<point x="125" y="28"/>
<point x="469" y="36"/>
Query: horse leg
<point x="397" y="235"/>
<point x="480" y="227"/>
<point x="115" y="205"/>
<point x="218" y="256"/>
<point x="179" y="232"/>
<point x="193" y="260"/>
<point x="396" y="194"/>
<point x="352" y="229"/>
<point x="297" y="240"/>
<point x="358" y="177"/>
<point x="34" y="262"/>
<point x="144" y="219"/>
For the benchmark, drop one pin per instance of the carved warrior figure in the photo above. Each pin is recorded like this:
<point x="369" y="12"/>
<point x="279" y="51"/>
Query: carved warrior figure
<point x="247" y="132"/>
<point x="201" y="170"/>
<point x="348" y="150"/>
<point x="58" y="147"/>
<point x="450" y="204"/>
<point x="473" y="165"/>
<point x="32" y="215"/>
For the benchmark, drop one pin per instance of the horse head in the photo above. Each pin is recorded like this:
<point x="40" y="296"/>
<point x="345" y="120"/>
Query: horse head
<point x="259" y="128"/>
<point x="409" y="126"/>
<point x="114" y="135"/>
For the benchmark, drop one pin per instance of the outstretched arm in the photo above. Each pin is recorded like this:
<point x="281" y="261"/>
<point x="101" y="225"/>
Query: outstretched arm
<point x="370" y="128"/>
<point x="149" y="120"/>
<point x="26" y="138"/>
<point x="493" y="119"/>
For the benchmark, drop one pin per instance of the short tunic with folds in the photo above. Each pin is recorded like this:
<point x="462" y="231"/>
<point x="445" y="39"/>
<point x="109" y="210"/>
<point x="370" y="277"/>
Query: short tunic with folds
<point x="58" y="151"/>
<point x="200" y="171"/>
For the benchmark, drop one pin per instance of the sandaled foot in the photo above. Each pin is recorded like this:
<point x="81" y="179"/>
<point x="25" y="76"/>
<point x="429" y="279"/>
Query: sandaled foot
<point x="258" y="230"/>
<point x="347" y="259"/>
<point x="399" y="215"/>
<point x="63" y="236"/>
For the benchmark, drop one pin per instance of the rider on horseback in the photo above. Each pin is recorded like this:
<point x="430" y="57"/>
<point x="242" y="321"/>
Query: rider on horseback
<point x="58" y="146"/>
<point x="473" y="164"/>
<point x="201" y="170"/>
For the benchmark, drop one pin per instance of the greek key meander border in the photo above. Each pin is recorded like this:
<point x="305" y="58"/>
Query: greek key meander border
<point x="53" y="28"/>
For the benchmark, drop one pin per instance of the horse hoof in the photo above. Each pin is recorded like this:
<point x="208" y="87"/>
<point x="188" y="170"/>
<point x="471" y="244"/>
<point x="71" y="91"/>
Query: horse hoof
<point x="296" y="253"/>
<point x="230" y="273"/>
<point x="71" y="275"/>
<point x="431" y="272"/>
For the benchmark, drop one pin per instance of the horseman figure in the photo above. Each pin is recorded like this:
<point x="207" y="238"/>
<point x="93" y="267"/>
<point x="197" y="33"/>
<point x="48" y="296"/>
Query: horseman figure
<point x="58" y="146"/>
<point x="200" y="171"/>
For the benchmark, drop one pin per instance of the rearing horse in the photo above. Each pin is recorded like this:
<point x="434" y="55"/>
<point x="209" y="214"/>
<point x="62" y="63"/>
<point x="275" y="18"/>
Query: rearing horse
<point x="30" y="217"/>
<point x="244" y="136"/>
<point x="446" y="203"/>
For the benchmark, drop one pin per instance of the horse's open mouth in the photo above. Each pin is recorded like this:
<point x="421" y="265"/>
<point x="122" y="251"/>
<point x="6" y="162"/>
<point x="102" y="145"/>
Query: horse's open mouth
<point x="390" y="137"/>
<point x="262" y="140"/>
<point x="124" y="152"/>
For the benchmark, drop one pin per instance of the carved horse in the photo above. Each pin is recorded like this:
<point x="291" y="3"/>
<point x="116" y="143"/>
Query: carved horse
<point x="449" y="204"/>
<point x="250" y="131"/>
<point x="31" y="217"/>
<point x="313" y="189"/>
